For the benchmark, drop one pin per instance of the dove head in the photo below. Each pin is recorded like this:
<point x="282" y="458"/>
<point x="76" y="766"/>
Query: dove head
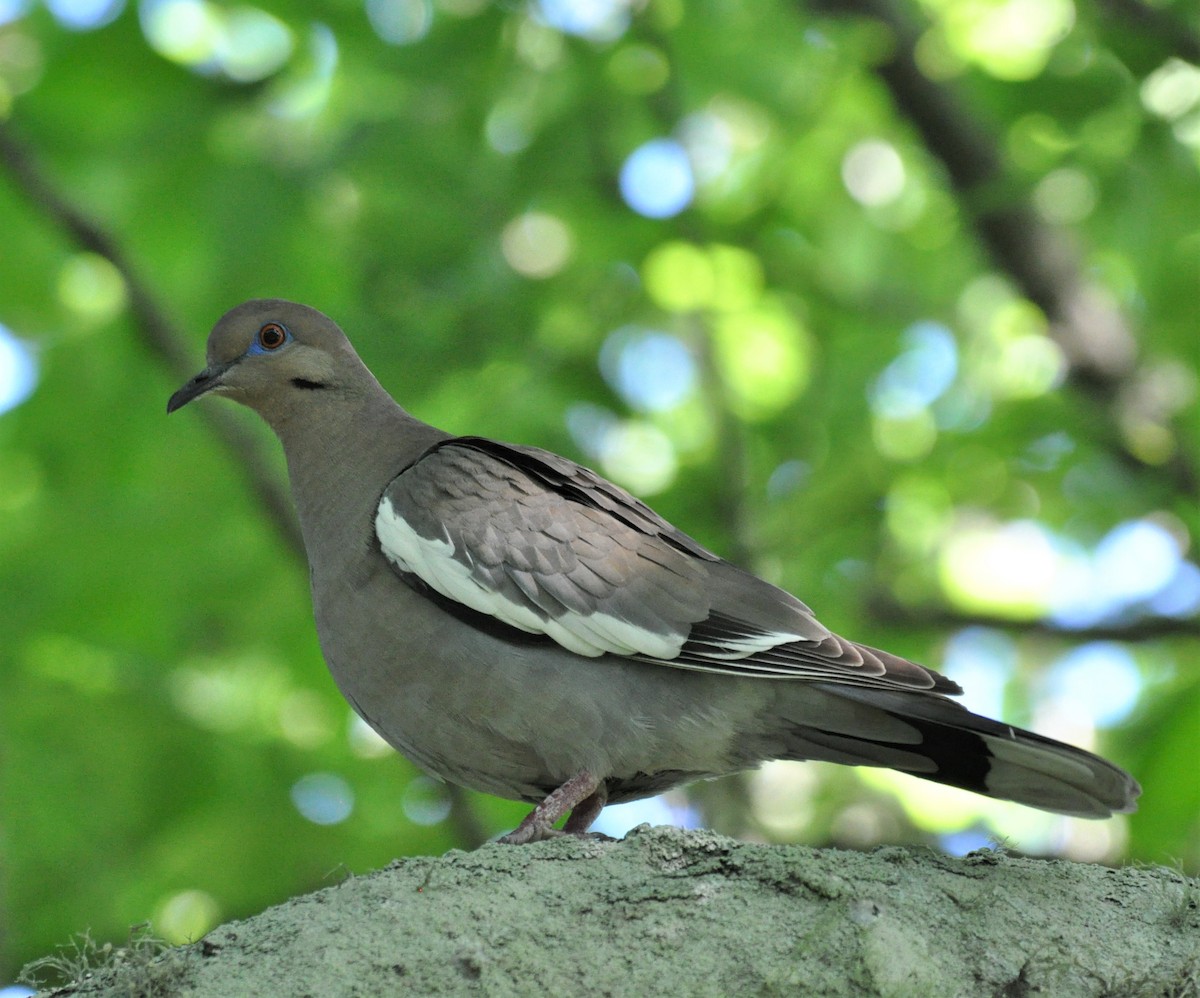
<point x="278" y="358"/>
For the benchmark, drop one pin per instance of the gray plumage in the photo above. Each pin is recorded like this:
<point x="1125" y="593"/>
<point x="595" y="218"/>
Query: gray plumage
<point x="514" y="623"/>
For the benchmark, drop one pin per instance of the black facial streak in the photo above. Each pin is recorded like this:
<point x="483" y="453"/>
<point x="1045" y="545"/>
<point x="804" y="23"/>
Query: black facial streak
<point x="304" y="383"/>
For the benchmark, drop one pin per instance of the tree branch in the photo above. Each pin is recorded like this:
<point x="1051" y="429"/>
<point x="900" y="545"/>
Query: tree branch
<point x="156" y="332"/>
<point x="1098" y="343"/>
<point x="887" y="611"/>
<point x="1170" y="30"/>
<point x="692" y="913"/>
<point x="1093" y="334"/>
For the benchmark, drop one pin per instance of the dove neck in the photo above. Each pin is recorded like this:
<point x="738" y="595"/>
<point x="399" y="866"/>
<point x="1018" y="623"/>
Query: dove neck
<point x="341" y="454"/>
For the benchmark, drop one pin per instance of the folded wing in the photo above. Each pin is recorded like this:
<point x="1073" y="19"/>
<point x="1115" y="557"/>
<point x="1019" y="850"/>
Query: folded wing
<point x="526" y="539"/>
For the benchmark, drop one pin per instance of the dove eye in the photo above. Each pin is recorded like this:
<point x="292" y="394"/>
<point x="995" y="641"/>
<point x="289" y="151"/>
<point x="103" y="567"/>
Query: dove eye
<point x="272" y="336"/>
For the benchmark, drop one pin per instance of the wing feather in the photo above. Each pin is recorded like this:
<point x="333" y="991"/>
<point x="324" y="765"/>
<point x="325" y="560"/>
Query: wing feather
<point x="541" y="544"/>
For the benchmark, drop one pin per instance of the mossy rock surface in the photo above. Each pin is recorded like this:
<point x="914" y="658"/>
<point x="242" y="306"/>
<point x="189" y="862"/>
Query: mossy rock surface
<point x="692" y="913"/>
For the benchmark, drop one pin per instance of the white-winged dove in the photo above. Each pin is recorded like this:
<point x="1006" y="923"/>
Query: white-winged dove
<point x="515" y="624"/>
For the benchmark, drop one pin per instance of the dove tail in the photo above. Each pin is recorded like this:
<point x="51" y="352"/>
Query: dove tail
<point x="937" y="739"/>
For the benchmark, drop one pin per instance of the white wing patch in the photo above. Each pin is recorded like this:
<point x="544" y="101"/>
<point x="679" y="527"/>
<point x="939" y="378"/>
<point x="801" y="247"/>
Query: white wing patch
<point x="731" y="649"/>
<point x="433" y="562"/>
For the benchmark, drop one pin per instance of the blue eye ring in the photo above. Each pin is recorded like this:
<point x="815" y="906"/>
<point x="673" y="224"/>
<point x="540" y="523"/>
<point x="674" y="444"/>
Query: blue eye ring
<point x="270" y="337"/>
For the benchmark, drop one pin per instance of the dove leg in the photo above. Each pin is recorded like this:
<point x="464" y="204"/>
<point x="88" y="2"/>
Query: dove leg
<point x="581" y="789"/>
<point x="586" y="811"/>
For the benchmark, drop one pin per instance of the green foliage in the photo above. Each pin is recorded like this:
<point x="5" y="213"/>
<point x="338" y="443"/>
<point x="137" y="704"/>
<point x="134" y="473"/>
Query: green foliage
<point x="454" y="203"/>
